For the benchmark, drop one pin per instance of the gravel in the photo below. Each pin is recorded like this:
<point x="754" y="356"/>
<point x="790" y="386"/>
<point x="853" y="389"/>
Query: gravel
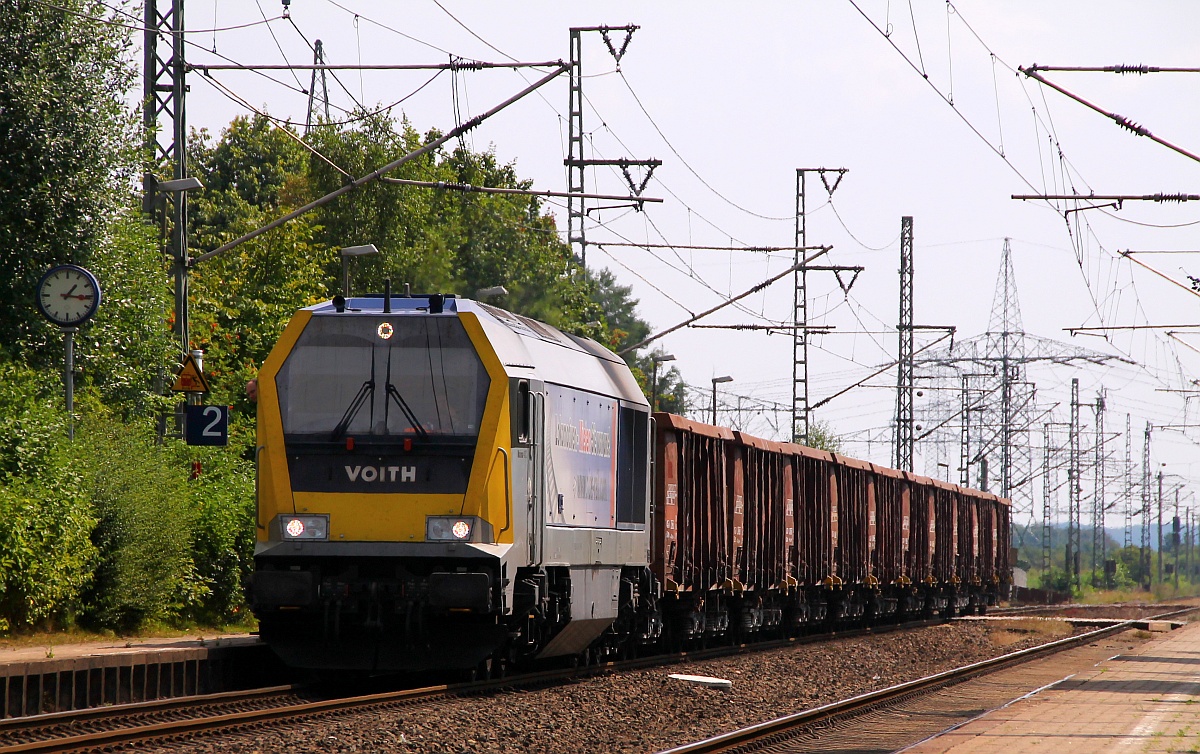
<point x="645" y="710"/>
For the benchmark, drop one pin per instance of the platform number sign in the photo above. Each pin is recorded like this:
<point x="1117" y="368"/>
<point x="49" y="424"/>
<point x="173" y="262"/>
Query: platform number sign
<point x="207" y="425"/>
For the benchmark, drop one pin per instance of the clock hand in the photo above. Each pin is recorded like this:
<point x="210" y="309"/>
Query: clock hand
<point x="68" y="293"/>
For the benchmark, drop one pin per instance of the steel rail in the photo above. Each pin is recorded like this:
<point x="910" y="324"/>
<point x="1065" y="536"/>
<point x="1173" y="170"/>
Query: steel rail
<point x="165" y="704"/>
<point x="241" y="720"/>
<point x="233" y="721"/>
<point x="784" y="727"/>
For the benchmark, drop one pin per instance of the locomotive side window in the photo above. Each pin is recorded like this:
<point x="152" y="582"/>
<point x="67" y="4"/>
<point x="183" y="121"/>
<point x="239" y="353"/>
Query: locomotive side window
<point x="525" y="406"/>
<point x="377" y="377"/>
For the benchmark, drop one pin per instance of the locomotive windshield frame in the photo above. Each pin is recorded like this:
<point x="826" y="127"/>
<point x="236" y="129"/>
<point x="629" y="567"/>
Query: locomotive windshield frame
<point x="382" y="377"/>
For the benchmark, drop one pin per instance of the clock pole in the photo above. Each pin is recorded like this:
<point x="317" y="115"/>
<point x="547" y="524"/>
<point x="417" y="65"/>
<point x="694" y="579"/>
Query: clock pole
<point x="69" y="341"/>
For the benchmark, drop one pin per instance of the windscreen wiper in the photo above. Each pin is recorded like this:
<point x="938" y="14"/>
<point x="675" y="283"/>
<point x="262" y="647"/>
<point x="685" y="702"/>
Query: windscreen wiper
<point x="394" y="395"/>
<point x="366" y="391"/>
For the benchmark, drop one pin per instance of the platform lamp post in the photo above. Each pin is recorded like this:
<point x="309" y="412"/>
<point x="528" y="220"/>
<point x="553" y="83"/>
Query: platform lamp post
<point x="181" y="266"/>
<point x="715" y="382"/>
<point x="657" y="358"/>
<point x="353" y="251"/>
<point x="178" y="248"/>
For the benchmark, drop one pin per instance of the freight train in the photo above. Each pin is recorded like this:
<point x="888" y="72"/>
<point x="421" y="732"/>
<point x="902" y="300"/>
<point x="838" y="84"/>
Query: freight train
<point x="442" y="484"/>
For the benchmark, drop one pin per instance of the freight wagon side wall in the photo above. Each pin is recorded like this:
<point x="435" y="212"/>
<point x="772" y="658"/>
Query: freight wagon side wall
<point x="765" y="519"/>
<point x="854" y="513"/>
<point x="735" y="510"/>
<point x="891" y="524"/>
<point x="945" y="550"/>
<point x="922" y="529"/>
<point x="693" y="540"/>
<point x="1003" y="541"/>
<point x="734" y="505"/>
<point x="816" y="517"/>
<point x="968" y="540"/>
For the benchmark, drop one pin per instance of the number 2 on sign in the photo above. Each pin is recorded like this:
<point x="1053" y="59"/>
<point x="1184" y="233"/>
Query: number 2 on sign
<point x="212" y="430"/>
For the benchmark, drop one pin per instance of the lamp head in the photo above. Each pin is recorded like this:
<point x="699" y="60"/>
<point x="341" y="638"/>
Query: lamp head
<point x="179" y="184"/>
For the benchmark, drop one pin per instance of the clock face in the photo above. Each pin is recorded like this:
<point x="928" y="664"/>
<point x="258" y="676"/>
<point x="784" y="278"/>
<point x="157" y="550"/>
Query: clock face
<point x="68" y="295"/>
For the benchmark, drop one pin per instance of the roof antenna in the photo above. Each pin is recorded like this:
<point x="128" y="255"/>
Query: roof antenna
<point x="387" y="296"/>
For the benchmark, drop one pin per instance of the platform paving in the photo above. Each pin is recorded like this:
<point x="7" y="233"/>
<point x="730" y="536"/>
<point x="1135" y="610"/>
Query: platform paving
<point x="1147" y="702"/>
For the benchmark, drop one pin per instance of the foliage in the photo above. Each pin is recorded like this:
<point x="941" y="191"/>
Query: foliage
<point x="619" y="306"/>
<point x="145" y="519"/>
<point x="222" y="494"/>
<point x="443" y="240"/>
<point x="626" y="328"/>
<point x="242" y="300"/>
<point x="66" y="149"/>
<point x="822" y="436"/>
<point x="123" y="352"/>
<point x="30" y="420"/>
<point x="670" y="393"/>
<point x="46" y="556"/>
<point x="120" y="529"/>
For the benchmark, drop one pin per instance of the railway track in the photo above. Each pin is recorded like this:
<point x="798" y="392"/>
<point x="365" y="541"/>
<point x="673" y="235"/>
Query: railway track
<point x="193" y="717"/>
<point x="188" y="717"/>
<point x="842" y="725"/>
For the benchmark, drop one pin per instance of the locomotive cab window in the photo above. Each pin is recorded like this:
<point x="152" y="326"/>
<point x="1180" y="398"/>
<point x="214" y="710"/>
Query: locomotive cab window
<point x="383" y="378"/>
<point x="632" y="469"/>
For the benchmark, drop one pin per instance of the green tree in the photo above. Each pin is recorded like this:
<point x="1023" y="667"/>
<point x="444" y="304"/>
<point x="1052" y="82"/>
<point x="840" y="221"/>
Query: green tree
<point x="67" y="152"/>
<point x="671" y="393"/>
<point x="125" y="350"/>
<point x="441" y="240"/>
<point x="241" y="300"/>
<point x="821" y="435"/>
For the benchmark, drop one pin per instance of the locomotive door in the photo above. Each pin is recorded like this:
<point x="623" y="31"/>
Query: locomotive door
<point x="536" y="508"/>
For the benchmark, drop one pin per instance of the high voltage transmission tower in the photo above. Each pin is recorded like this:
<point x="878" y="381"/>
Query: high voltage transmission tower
<point x="904" y="358"/>
<point x="1000" y="422"/>
<point x="576" y="163"/>
<point x="1099" y="540"/>
<point x="1128" y="542"/>
<point x="164" y="123"/>
<point x="801" y="411"/>
<point x="1144" y="553"/>
<point x="317" y="105"/>
<point x="1074" y="490"/>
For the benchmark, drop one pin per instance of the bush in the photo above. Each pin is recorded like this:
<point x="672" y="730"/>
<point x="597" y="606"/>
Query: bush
<point x="46" y="555"/>
<point x="145" y="518"/>
<point x="32" y="419"/>
<point x="223" y="541"/>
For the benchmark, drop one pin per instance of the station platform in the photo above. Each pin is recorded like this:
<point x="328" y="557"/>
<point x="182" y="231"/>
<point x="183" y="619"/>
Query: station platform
<point x="40" y="679"/>
<point x="1146" y="702"/>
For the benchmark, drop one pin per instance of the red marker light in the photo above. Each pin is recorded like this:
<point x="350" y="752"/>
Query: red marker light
<point x="349" y="443"/>
<point x="407" y="444"/>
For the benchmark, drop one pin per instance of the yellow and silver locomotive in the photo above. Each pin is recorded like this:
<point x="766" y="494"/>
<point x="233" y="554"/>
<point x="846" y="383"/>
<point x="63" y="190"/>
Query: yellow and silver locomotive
<point x="442" y="484"/>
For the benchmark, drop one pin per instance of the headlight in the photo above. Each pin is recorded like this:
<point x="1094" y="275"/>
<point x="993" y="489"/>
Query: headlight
<point x="304" y="527"/>
<point x="457" y="529"/>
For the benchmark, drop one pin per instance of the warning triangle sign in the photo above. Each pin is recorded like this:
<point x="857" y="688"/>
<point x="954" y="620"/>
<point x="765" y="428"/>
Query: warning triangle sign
<point x="190" y="380"/>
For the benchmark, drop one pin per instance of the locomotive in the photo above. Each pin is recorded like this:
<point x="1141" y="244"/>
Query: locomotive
<point x="443" y="484"/>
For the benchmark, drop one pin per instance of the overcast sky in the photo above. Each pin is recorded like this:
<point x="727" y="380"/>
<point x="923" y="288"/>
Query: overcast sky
<point x="920" y="100"/>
